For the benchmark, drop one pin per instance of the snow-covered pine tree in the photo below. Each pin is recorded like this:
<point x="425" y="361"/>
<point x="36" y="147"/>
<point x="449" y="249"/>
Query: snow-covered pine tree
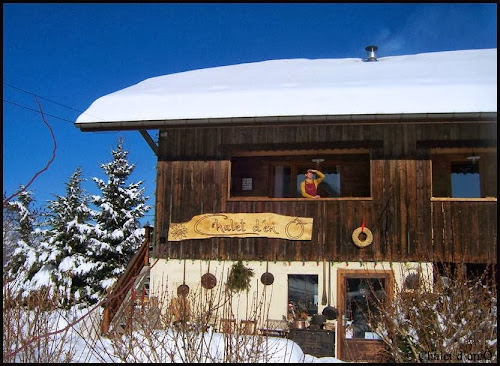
<point x="10" y="232"/>
<point x="64" y="254"/>
<point x="23" y="262"/>
<point x="117" y="231"/>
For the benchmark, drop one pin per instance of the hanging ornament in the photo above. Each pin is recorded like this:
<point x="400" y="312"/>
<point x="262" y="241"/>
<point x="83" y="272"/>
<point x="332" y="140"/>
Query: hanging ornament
<point x="362" y="236"/>
<point x="183" y="289"/>
<point x="208" y="280"/>
<point x="239" y="277"/>
<point x="267" y="277"/>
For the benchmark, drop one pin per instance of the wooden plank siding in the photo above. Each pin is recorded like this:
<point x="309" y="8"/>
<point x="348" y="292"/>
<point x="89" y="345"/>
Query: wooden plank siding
<point x="400" y="222"/>
<point x="465" y="231"/>
<point x="193" y="177"/>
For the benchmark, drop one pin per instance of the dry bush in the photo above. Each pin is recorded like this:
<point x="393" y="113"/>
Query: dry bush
<point x="170" y="329"/>
<point x="452" y="320"/>
<point x="192" y="329"/>
<point x="26" y="328"/>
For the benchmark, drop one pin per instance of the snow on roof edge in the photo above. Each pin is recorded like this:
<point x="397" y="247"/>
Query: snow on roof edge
<point x="452" y="82"/>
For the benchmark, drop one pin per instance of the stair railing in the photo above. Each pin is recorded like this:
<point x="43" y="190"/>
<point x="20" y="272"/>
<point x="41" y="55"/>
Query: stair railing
<point x="119" y="291"/>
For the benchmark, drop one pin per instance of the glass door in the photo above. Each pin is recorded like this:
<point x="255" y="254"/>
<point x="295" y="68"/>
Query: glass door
<point x="358" y="294"/>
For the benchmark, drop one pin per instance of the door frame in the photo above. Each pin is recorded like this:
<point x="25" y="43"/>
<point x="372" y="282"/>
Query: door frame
<point x="342" y="275"/>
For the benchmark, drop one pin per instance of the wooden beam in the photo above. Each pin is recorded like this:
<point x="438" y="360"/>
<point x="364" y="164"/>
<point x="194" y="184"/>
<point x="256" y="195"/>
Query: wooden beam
<point x="150" y="141"/>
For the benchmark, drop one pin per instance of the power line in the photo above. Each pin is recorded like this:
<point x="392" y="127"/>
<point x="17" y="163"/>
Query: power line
<point x="34" y="110"/>
<point x="47" y="99"/>
<point x="64" y="119"/>
<point x="36" y="95"/>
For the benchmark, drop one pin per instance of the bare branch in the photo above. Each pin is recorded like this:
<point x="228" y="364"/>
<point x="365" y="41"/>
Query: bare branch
<point x="6" y="201"/>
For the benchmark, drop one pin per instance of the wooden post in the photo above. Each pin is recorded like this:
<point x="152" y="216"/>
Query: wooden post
<point x="105" y="321"/>
<point x="132" y="305"/>
<point x="147" y="234"/>
<point x="105" y="316"/>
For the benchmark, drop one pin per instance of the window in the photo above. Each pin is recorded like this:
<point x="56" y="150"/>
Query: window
<point x="465" y="179"/>
<point x="362" y="295"/>
<point x="329" y="187"/>
<point x="282" y="179"/>
<point x="346" y="175"/>
<point x="451" y="273"/>
<point x="464" y="175"/>
<point x="303" y="293"/>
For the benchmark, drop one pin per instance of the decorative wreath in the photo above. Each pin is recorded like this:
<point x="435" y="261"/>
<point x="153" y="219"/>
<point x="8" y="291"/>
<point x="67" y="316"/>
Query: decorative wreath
<point x="239" y="277"/>
<point x="362" y="243"/>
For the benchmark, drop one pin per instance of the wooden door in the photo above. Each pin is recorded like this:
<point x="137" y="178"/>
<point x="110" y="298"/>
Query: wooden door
<point x="356" y="291"/>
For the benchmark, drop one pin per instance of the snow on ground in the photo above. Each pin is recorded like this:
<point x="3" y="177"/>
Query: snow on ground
<point x="87" y="347"/>
<point x="277" y="350"/>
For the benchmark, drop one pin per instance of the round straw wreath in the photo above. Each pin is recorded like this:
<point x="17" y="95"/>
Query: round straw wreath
<point x="362" y="243"/>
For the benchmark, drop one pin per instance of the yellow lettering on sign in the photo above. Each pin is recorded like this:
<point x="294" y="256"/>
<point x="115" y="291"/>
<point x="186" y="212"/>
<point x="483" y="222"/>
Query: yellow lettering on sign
<point x="243" y="225"/>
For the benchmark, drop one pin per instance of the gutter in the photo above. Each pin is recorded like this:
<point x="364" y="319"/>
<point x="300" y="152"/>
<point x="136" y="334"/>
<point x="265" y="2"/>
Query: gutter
<point x="361" y="119"/>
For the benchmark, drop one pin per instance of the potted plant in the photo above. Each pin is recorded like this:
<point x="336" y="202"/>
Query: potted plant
<point x="302" y="313"/>
<point x="300" y="319"/>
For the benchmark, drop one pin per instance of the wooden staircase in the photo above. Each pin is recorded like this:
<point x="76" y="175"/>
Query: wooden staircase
<point x="130" y="291"/>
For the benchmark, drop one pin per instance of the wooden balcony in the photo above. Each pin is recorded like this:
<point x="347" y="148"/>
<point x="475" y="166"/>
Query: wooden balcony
<point x="403" y="230"/>
<point x="464" y="230"/>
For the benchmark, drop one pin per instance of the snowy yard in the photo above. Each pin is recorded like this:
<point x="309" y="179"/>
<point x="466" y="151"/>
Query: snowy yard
<point x="278" y="350"/>
<point x="81" y="344"/>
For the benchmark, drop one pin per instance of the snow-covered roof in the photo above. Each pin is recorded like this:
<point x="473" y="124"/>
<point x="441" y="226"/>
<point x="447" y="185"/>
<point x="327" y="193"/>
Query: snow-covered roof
<point x="439" y="82"/>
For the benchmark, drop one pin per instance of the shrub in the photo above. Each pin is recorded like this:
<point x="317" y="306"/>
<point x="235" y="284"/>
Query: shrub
<point x="454" y="320"/>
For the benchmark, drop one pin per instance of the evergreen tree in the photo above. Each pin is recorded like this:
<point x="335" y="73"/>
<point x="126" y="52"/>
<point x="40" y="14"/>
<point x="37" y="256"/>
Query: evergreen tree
<point x="117" y="231"/>
<point x="23" y="262"/>
<point x="10" y="232"/>
<point x="65" y="253"/>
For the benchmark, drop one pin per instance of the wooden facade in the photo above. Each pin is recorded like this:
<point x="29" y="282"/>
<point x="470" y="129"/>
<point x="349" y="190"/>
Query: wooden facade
<point x="417" y="171"/>
<point x="197" y="164"/>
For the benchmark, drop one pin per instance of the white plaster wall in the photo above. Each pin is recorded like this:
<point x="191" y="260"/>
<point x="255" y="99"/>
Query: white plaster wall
<point x="167" y="275"/>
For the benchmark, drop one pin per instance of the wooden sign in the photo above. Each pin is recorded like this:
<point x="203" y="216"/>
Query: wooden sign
<point x="242" y="225"/>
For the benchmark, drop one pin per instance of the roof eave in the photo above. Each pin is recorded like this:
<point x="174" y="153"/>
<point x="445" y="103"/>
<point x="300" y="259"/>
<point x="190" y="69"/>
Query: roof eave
<point x="461" y="117"/>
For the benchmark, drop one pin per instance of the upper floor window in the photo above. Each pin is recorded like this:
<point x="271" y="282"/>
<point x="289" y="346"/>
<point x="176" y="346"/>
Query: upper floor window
<point x="467" y="174"/>
<point x="346" y="175"/>
<point x="465" y="179"/>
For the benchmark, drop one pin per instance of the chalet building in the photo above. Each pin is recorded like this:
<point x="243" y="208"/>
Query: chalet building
<point x="407" y="146"/>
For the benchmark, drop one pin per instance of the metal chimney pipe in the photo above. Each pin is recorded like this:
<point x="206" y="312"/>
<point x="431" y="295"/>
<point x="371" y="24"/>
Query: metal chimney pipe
<point x="371" y="53"/>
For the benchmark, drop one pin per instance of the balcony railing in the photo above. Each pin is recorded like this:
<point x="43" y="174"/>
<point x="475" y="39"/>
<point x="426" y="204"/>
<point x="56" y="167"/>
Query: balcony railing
<point x="464" y="230"/>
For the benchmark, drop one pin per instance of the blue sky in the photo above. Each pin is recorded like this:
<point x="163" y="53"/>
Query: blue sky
<point x="71" y="54"/>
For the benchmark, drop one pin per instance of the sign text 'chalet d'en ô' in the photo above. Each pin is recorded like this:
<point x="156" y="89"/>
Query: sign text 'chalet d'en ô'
<point x="244" y="225"/>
